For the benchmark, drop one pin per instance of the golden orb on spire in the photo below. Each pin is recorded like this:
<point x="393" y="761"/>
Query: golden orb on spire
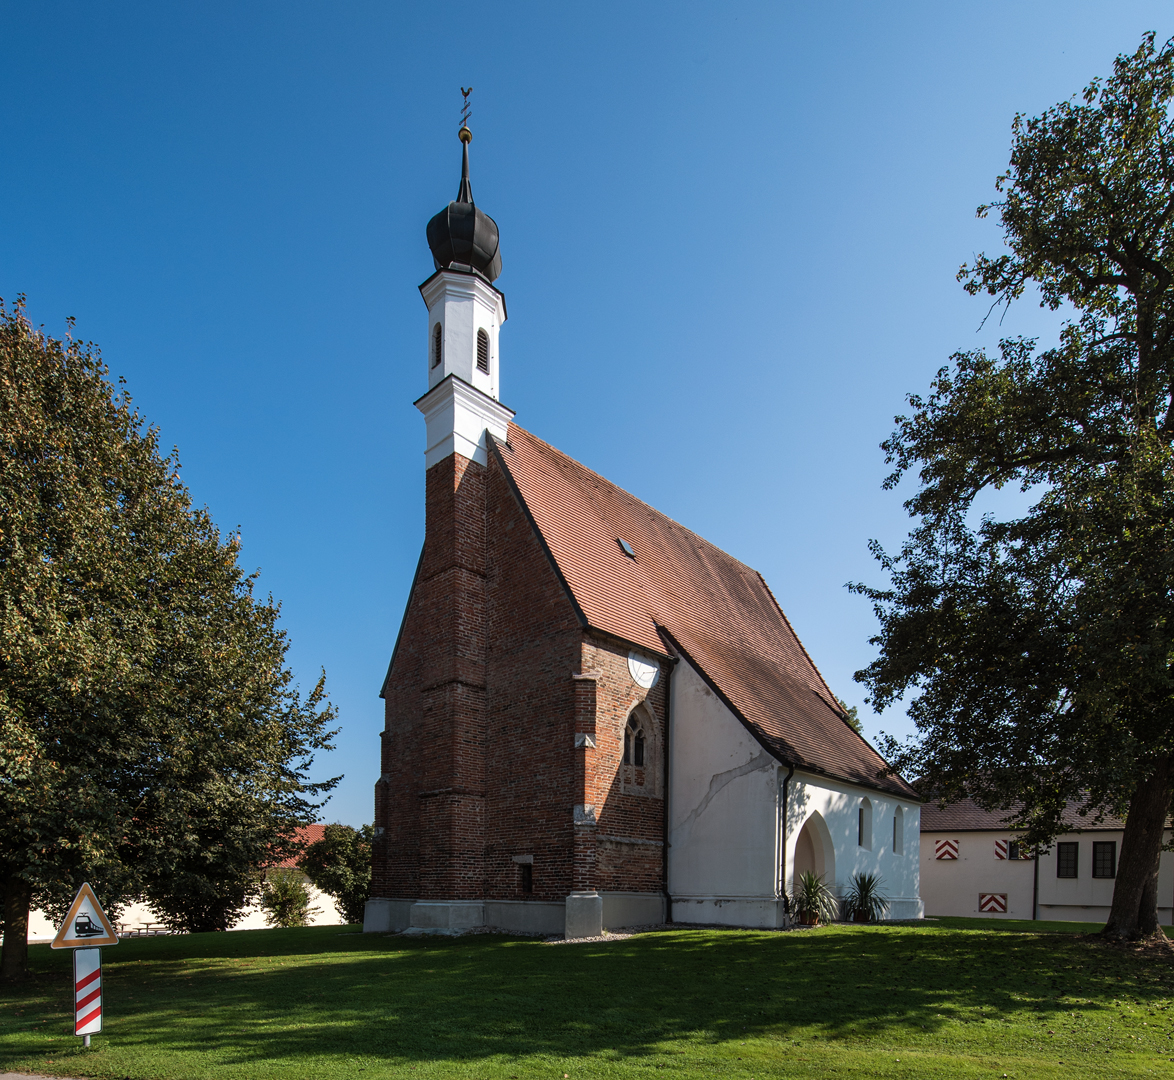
<point x="465" y="135"/>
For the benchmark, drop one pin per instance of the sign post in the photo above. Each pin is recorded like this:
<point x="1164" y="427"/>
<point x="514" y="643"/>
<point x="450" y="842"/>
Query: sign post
<point x="85" y="930"/>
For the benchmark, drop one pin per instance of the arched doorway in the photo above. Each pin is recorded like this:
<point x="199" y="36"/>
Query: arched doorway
<point x="814" y="850"/>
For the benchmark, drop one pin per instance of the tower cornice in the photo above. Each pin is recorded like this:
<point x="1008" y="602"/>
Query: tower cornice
<point x="457" y="416"/>
<point x="433" y="287"/>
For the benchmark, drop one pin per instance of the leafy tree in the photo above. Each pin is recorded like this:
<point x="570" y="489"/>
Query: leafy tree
<point x="851" y="716"/>
<point x="340" y="865"/>
<point x="1040" y="645"/>
<point x="285" y="899"/>
<point x="151" y="740"/>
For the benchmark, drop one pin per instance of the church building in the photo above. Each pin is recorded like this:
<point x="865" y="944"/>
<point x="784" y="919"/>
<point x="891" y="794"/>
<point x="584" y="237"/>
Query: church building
<point x="594" y="718"/>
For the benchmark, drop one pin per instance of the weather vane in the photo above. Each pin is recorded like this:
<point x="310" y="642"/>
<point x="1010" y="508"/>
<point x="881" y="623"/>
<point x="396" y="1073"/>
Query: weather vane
<point x="466" y="109"/>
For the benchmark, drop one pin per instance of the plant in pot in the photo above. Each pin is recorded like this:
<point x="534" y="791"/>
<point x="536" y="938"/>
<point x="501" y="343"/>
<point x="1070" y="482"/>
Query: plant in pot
<point x="814" y="900"/>
<point x="864" y="901"/>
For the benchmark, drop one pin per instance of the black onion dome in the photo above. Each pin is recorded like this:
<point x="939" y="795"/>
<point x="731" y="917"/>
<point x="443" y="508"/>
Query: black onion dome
<point x="463" y="235"/>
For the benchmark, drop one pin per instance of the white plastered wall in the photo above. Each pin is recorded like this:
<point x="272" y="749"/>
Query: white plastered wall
<point x="953" y="886"/>
<point x="830" y="809"/>
<point x="723" y="817"/>
<point x="139" y="915"/>
<point x="725" y="828"/>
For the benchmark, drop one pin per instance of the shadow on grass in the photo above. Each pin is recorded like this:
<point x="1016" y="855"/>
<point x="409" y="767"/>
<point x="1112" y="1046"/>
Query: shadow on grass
<point x="330" y="992"/>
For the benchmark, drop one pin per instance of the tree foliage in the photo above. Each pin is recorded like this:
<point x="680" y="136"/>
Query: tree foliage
<point x="340" y="865"/>
<point x="285" y="899"/>
<point x="151" y="738"/>
<point x="1038" y="648"/>
<point x="851" y="716"/>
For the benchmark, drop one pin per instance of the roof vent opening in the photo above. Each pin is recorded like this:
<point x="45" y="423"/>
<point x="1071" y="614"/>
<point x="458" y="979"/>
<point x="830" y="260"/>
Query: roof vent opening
<point x="625" y="547"/>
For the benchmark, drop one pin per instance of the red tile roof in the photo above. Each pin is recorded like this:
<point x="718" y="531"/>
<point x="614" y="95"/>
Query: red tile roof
<point x="305" y="835"/>
<point x="681" y="594"/>
<point x="966" y="816"/>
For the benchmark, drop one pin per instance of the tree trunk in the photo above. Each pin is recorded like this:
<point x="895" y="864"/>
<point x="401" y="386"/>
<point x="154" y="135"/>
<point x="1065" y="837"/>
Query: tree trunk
<point x="1135" y="892"/>
<point x="14" y="961"/>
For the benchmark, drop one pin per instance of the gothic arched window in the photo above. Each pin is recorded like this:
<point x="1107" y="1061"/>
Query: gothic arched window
<point x="634" y="742"/>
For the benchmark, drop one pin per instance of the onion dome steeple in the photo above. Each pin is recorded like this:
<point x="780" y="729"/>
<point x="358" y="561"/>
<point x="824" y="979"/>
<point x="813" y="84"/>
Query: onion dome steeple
<point x="462" y="236"/>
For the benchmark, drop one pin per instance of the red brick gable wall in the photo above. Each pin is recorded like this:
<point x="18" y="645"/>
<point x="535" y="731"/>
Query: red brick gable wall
<point x="479" y="763"/>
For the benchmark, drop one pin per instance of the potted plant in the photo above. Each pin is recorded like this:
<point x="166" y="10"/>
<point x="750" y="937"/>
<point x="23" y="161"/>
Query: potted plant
<point x="814" y="900"/>
<point x="864" y="901"/>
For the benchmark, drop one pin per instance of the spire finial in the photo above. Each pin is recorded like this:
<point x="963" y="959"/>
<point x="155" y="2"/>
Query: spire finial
<point x="466" y="111"/>
<point x="465" y="192"/>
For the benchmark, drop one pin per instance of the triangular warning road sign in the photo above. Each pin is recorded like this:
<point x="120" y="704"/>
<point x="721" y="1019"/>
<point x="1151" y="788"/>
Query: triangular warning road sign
<point x="86" y="924"/>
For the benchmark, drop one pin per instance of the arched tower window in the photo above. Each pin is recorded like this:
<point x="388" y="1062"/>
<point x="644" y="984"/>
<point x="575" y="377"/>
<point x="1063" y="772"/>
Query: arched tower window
<point x="437" y="345"/>
<point x="483" y="351"/>
<point x="899" y="831"/>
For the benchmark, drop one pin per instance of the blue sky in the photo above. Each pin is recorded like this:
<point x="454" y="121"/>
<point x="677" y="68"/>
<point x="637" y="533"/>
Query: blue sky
<point x="729" y="232"/>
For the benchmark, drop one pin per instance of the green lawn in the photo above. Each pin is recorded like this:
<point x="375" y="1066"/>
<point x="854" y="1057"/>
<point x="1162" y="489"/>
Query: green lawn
<point x="951" y="998"/>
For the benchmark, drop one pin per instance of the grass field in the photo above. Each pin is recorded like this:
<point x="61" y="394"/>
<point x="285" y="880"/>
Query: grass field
<point x="952" y="998"/>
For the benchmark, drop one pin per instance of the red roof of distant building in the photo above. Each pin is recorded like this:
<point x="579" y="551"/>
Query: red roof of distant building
<point x="305" y="835"/>
<point x="681" y="594"/>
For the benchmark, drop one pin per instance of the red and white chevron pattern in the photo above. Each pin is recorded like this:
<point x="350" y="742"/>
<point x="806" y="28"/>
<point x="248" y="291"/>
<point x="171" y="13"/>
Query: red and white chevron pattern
<point x="994" y="903"/>
<point x="87" y="989"/>
<point x="946" y="849"/>
<point x="1000" y="849"/>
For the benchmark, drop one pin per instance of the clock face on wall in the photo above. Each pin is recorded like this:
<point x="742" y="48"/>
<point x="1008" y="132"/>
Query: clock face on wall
<point x="644" y="672"/>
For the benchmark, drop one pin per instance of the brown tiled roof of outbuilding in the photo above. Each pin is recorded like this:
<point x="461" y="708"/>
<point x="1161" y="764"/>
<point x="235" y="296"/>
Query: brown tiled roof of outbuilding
<point x="966" y="816"/>
<point x="682" y="594"/>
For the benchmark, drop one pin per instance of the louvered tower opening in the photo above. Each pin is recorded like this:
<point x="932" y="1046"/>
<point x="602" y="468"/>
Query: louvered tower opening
<point x="483" y="351"/>
<point x="437" y="345"/>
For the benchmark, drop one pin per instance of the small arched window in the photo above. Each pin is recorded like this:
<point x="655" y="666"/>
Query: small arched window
<point x="634" y="743"/>
<point x="864" y="825"/>
<point x="483" y="351"/>
<point x="437" y="345"/>
<point x="899" y="831"/>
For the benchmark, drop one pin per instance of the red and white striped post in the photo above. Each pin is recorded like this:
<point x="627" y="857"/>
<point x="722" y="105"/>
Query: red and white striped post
<point x="87" y="993"/>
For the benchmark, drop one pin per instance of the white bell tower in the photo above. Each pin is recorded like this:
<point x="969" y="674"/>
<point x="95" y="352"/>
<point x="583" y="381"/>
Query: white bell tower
<point x="465" y="316"/>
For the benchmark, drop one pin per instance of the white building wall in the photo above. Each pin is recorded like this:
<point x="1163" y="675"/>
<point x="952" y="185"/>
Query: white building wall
<point x="139" y="915"/>
<point x="723" y="818"/>
<point x="725" y="828"/>
<point x="953" y="886"/>
<point x="832" y="809"/>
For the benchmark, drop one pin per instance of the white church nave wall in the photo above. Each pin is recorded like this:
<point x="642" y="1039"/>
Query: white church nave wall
<point x="723" y="821"/>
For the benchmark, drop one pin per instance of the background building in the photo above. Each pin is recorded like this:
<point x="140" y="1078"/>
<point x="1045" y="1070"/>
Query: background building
<point x="973" y="864"/>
